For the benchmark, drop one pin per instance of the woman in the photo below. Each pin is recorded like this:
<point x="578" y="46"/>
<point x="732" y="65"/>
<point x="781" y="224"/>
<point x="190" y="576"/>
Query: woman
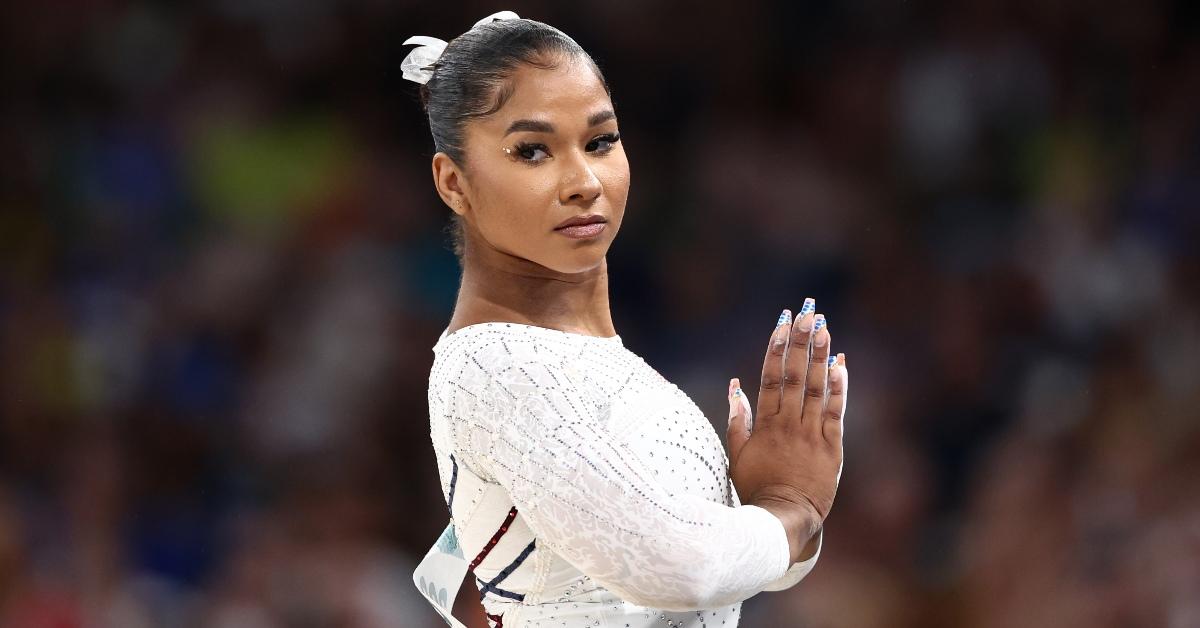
<point x="584" y="489"/>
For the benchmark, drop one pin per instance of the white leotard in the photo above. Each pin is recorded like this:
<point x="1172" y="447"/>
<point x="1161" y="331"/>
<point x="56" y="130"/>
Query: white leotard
<point x="596" y="491"/>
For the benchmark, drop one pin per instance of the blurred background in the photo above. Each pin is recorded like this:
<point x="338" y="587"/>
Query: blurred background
<point x="223" y="267"/>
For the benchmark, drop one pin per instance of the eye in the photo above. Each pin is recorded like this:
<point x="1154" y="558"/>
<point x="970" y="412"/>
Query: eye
<point x="530" y="152"/>
<point x="604" y="143"/>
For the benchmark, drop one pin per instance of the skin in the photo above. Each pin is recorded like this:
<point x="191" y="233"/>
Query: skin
<point x="516" y="268"/>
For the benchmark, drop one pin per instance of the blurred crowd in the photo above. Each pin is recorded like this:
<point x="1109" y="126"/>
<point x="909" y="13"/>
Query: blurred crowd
<point x="223" y="267"/>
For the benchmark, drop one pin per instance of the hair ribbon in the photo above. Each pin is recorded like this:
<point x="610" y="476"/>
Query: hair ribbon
<point x="418" y="65"/>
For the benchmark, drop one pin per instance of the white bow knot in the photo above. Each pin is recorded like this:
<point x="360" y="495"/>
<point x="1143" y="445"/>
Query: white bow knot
<point x="418" y="65"/>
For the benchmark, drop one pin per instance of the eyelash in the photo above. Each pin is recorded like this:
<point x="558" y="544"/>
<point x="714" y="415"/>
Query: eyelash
<point x="523" y="147"/>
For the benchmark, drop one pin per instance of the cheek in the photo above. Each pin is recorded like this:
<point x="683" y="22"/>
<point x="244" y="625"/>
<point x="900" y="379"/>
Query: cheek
<point x="615" y="178"/>
<point x="514" y="203"/>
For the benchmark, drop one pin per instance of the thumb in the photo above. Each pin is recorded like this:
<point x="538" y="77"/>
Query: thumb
<point x="740" y="420"/>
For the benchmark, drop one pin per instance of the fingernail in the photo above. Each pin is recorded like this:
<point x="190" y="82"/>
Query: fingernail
<point x="784" y="317"/>
<point x="832" y="360"/>
<point x="819" y="322"/>
<point x="735" y="399"/>
<point x="746" y="405"/>
<point x="729" y="393"/>
<point x="805" y="310"/>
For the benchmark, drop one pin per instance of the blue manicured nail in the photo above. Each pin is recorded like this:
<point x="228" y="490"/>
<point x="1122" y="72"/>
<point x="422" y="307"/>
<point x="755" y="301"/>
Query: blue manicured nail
<point x="832" y="359"/>
<point x="737" y="392"/>
<point x="809" y="305"/>
<point x="784" y="317"/>
<point x="819" y="323"/>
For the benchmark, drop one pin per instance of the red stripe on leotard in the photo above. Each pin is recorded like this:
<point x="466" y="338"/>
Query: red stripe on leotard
<point x="512" y="514"/>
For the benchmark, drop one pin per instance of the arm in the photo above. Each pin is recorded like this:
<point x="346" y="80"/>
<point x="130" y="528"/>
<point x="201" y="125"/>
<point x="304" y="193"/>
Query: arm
<point x="805" y="544"/>
<point x="523" y="423"/>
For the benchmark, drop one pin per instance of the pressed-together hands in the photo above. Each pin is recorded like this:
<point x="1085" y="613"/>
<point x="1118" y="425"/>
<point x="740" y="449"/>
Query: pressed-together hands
<point x="787" y="456"/>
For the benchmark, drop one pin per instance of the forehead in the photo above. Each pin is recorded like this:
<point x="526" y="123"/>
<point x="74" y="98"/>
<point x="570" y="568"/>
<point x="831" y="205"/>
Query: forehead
<point x="565" y="94"/>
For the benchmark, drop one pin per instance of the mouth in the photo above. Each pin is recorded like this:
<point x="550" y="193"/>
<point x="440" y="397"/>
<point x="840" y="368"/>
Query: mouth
<point x="581" y="227"/>
<point x="575" y="221"/>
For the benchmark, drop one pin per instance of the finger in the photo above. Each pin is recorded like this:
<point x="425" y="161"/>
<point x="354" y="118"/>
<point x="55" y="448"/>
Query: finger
<point x="818" y="369"/>
<point x="835" y="406"/>
<point x="739" y="421"/>
<point x="795" y="363"/>
<point x="770" y="389"/>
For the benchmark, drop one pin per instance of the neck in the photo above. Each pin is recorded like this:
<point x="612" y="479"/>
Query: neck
<point x="497" y="286"/>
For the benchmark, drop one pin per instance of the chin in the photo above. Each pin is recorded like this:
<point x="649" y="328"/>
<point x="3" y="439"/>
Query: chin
<point x="579" y="256"/>
<point x="581" y="260"/>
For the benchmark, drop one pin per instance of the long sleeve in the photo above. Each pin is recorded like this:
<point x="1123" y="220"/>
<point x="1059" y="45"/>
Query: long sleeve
<point x="521" y="420"/>
<point x="796" y="572"/>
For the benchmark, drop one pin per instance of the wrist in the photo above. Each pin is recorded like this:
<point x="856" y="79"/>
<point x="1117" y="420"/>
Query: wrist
<point x="800" y="521"/>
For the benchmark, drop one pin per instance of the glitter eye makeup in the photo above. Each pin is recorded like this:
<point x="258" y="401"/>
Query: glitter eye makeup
<point x="527" y="151"/>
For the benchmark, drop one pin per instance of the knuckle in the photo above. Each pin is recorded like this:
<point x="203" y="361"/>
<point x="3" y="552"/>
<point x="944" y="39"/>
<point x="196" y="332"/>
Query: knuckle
<point x="770" y="383"/>
<point x="793" y="379"/>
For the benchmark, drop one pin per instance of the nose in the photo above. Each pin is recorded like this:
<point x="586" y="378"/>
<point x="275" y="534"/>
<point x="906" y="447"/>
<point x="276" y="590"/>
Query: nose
<point x="579" y="183"/>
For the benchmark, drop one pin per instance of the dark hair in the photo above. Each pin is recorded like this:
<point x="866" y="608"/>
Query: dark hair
<point x="470" y="80"/>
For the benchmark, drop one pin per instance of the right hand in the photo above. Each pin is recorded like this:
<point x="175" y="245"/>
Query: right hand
<point x="787" y="456"/>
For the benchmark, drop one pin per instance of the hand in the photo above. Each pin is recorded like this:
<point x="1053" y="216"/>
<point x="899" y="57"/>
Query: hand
<point x="789" y="459"/>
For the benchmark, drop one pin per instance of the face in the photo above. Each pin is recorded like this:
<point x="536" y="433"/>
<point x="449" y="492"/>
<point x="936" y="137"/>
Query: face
<point x="550" y="154"/>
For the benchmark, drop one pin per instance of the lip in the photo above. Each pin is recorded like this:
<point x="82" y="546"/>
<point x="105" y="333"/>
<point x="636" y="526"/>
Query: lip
<point x="581" y="220"/>
<point x="583" y="232"/>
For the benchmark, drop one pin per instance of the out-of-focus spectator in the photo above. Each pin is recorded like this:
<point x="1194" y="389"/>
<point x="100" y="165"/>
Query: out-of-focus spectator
<point x="223" y="266"/>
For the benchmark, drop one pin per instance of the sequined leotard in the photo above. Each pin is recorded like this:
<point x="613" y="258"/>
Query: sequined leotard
<point x="589" y="490"/>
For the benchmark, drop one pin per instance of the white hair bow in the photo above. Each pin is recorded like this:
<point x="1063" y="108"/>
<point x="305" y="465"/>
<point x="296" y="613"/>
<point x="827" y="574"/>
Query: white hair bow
<point x="418" y="65"/>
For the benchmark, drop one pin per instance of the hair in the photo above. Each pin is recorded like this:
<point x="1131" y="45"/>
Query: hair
<point x="471" y="80"/>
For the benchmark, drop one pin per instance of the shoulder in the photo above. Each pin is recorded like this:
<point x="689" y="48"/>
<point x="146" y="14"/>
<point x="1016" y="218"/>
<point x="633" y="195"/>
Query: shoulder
<point x="501" y="353"/>
<point x="508" y="383"/>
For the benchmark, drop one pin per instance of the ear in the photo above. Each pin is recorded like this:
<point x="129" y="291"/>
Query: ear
<point x="450" y="183"/>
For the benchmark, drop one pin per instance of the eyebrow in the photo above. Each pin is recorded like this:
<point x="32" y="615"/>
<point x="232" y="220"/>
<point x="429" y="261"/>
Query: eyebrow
<point x="539" y="126"/>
